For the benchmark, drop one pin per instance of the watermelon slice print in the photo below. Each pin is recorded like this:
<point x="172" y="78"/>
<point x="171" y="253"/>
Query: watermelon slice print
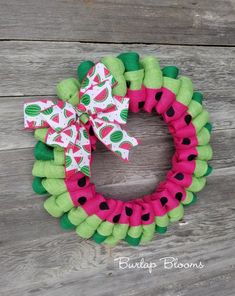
<point x="118" y="152"/>
<point x="85" y="134"/>
<point x="58" y="139"/>
<point x="124" y="114"/>
<point x="97" y="79"/>
<point x="102" y="96"/>
<point x="105" y="118"/>
<point x="68" y="132"/>
<point x="30" y="124"/>
<point x="48" y="111"/>
<point x="85" y="83"/>
<point x="104" y="131"/>
<point x="67" y="113"/>
<point x="33" y="110"/>
<point x="106" y="72"/>
<point x="92" y="71"/>
<point x="98" y="124"/>
<point x="70" y="121"/>
<point x="116" y="136"/>
<point x="126" y="145"/>
<point x="85" y="170"/>
<point x="55" y="118"/>
<point x="85" y="100"/>
<point x="68" y="161"/>
<point x="87" y="148"/>
<point x="78" y="159"/>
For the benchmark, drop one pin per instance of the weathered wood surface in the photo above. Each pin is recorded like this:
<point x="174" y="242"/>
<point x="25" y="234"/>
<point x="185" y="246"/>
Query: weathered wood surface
<point x="36" y="256"/>
<point x="168" y="22"/>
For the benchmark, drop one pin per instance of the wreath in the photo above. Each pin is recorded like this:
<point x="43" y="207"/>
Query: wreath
<point x="94" y="107"/>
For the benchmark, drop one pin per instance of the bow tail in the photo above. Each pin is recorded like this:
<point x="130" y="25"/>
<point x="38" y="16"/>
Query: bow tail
<point x="78" y="155"/>
<point x="113" y="137"/>
<point x="34" y="113"/>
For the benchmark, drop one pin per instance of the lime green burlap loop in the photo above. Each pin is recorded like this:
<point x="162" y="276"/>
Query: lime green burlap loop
<point x="200" y="121"/>
<point x="111" y="241"/>
<point x="51" y="206"/>
<point x="162" y="221"/>
<point x="203" y="136"/>
<point x="135" y="78"/>
<point x="120" y="230"/>
<point x="40" y="134"/>
<point x="197" y="184"/>
<point x="148" y="233"/>
<point x="201" y="168"/>
<point x="54" y="186"/>
<point x="152" y="72"/>
<point x="135" y="231"/>
<point x="134" y="234"/>
<point x="67" y="90"/>
<point x="48" y="169"/>
<point x="56" y="206"/>
<point x="190" y="199"/>
<point x="204" y="152"/>
<point x="173" y="85"/>
<point x="185" y="92"/>
<point x="88" y="227"/>
<point x="58" y="156"/>
<point x="77" y="215"/>
<point x="176" y="214"/>
<point x="117" y="69"/>
<point x="64" y="201"/>
<point x="194" y="108"/>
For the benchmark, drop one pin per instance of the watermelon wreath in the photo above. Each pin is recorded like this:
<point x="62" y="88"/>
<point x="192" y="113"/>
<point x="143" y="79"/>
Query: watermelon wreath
<point x="94" y="108"/>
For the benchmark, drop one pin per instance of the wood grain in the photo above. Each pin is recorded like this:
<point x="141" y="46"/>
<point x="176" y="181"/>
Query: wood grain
<point x="36" y="256"/>
<point x="34" y="68"/>
<point x="44" y="260"/>
<point x="166" y="22"/>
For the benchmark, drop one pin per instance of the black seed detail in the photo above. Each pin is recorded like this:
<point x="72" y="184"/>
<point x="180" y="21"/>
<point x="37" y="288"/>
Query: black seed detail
<point x="158" y="96"/>
<point x="188" y="119"/>
<point x="163" y="200"/>
<point x="91" y="131"/>
<point x="141" y="105"/>
<point x="145" y="217"/>
<point x="82" y="182"/>
<point x="186" y="141"/>
<point x="116" y="218"/>
<point x="170" y="112"/>
<point x="104" y="206"/>
<point x="82" y="200"/>
<point x="129" y="211"/>
<point x="128" y="83"/>
<point x="179" y="196"/>
<point x="191" y="157"/>
<point x="179" y="176"/>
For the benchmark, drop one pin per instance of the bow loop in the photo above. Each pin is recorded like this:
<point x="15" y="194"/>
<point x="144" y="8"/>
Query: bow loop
<point x="66" y="123"/>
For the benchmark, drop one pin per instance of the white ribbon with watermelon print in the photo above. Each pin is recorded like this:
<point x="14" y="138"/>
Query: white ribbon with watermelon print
<point x="104" y="111"/>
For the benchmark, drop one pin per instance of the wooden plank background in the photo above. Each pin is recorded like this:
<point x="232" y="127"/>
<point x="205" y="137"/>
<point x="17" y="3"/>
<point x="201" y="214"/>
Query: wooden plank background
<point x="42" y="42"/>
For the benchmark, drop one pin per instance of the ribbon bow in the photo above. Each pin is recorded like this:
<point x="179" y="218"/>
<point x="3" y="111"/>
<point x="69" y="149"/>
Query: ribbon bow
<point x="66" y="128"/>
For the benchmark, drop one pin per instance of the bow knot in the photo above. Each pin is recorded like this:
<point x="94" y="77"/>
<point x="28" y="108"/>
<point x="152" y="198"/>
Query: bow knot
<point x="67" y="124"/>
